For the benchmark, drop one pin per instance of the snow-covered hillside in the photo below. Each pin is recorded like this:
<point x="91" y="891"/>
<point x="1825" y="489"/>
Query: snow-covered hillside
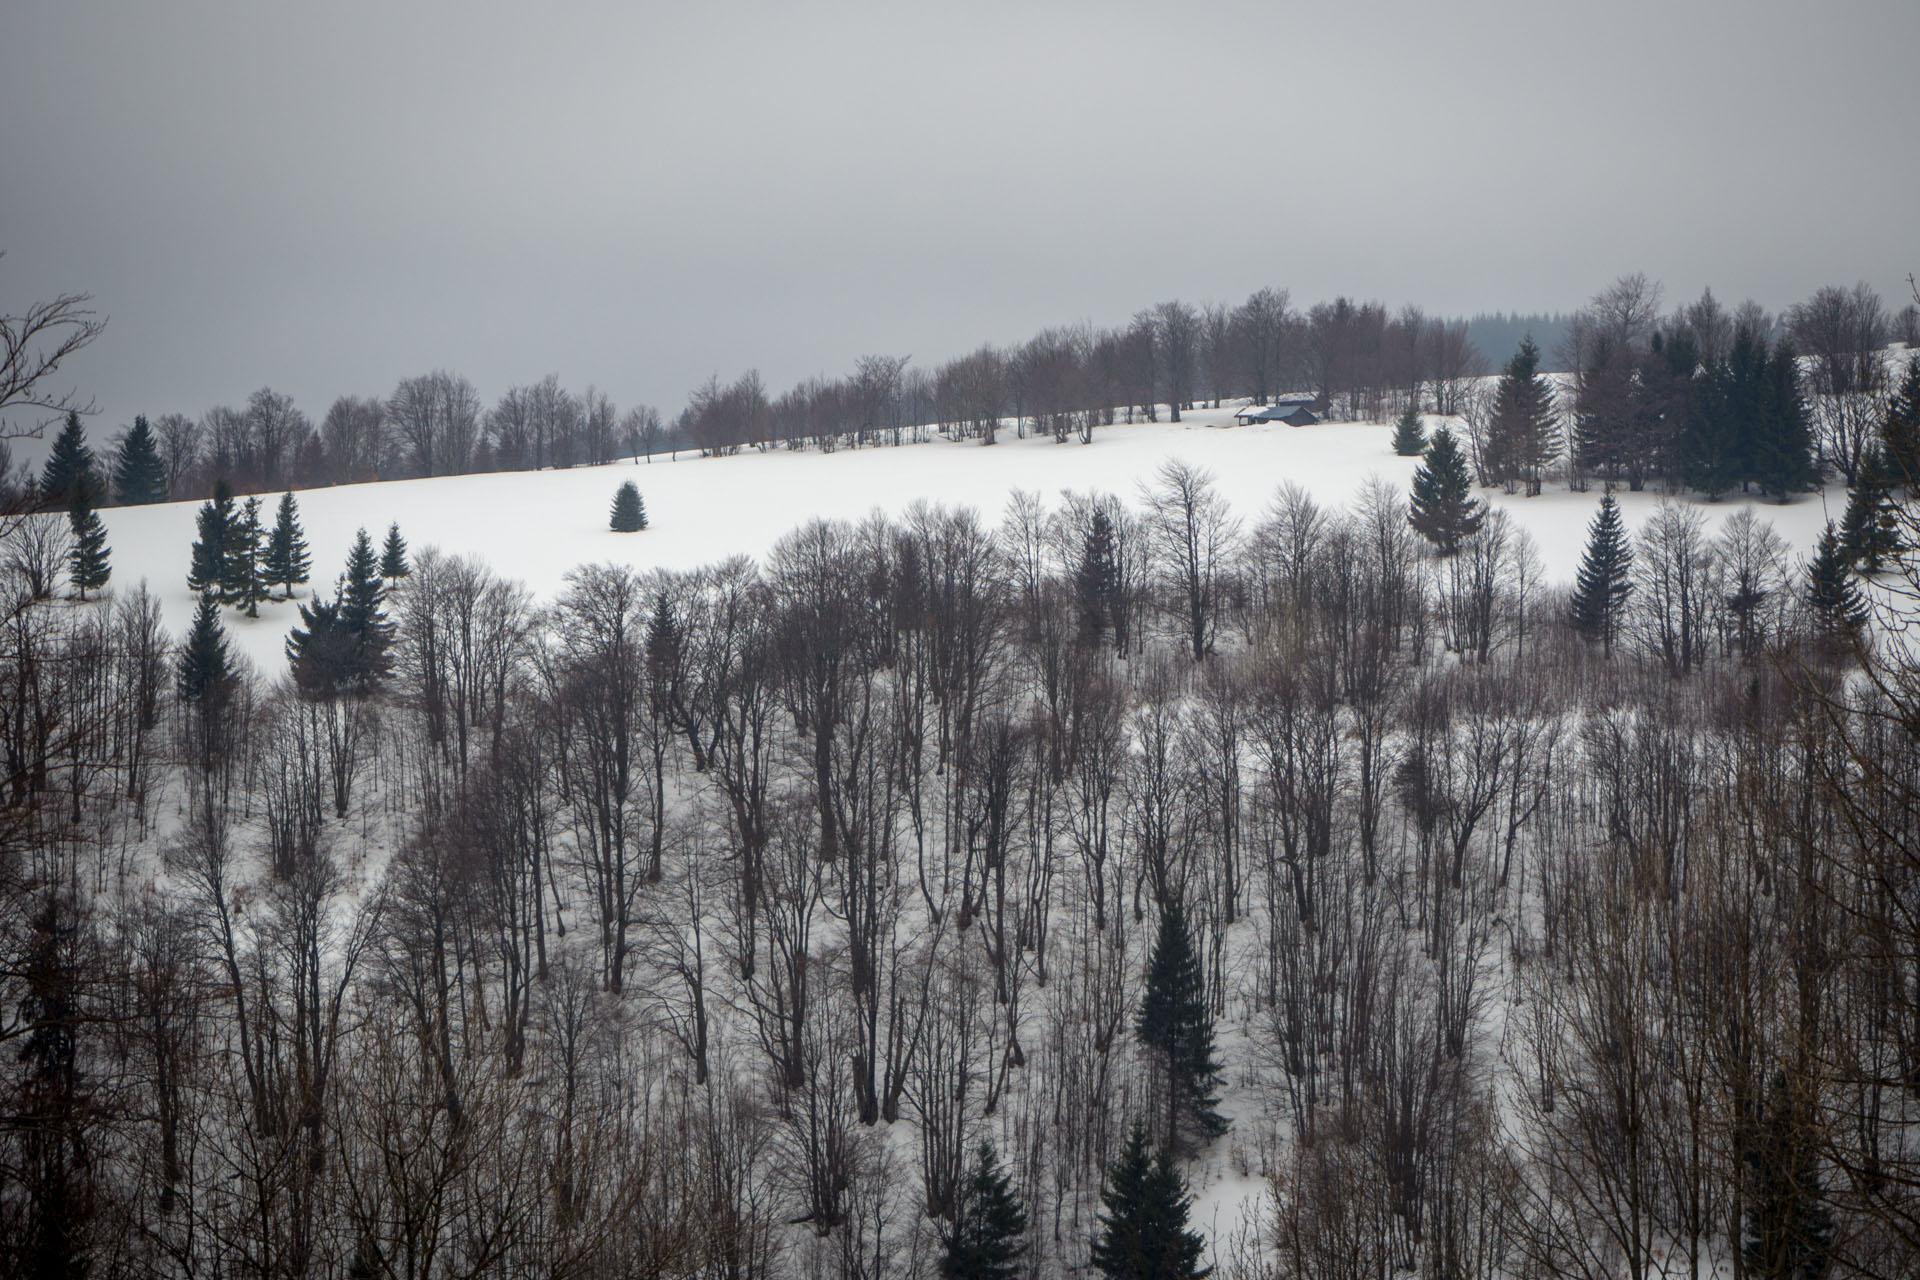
<point x="535" y="526"/>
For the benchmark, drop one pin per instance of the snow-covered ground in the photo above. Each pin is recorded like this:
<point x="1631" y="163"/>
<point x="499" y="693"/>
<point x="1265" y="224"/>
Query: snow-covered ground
<point x="535" y="526"/>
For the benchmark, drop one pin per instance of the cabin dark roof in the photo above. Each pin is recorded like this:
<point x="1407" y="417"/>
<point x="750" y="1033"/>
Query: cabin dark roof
<point x="1294" y="412"/>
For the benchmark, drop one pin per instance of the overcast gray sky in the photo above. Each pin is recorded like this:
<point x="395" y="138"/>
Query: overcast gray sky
<point x="325" y="198"/>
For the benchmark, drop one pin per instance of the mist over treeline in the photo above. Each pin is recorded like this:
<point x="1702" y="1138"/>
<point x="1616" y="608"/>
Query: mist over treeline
<point x="1500" y="333"/>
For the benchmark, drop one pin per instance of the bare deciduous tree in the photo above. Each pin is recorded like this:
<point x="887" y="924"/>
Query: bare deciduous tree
<point x="1176" y="336"/>
<point x="179" y="448"/>
<point x="33" y="346"/>
<point x="437" y="417"/>
<point x="1192" y="535"/>
<point x="354" y="435"/>
<point x="1842" y="331"/>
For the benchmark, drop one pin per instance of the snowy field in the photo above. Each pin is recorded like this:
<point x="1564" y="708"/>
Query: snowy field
<point x="535" y="526"/>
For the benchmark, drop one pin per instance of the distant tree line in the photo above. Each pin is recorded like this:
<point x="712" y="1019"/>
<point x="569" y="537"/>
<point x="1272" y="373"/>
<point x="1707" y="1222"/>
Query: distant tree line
<point x="1355" y="359"/>
<point x="431" y="425"/>
<point x="1631" y="396"/>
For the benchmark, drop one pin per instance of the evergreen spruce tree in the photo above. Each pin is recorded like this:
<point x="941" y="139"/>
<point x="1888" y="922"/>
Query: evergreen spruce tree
<point x="205" y="667"/>
<point x="69" y="475"/>
<point x="1870" y="530"/>
<point x="288" y="563"/>
<point x="140" y="475"/>
<point x="1789" y="1228"/>
<point x="1712" y="456"/>
<point x="1143" y="1226"/>
<point x="209" y="567"/>
<point x="1409" y="436"/>
<point x="1901" y="430"/>
<point x="87" y="561"/>
<point x="323" y="656"/>
<point x="1523" y="437"/>
<point x="983" y="1242"/>
<point x="363" y="597"/>
<point x="243" y="586"/>
<point x="665" y="647"/>
<point x="629" y="510"/>
<point x="1605" y="406"/>
<point x="1746" y="402"/>
<point x="1667" y="375"/>
<point x="1443" y="510"/>
<point x="1781" y="441"/>
<point x="1176" y="1024"/>
<point x="1096" y="579"/>
<point x="1837" y="607"/>
<point x="393" y="556"/>
<point x="1606" y="577"/>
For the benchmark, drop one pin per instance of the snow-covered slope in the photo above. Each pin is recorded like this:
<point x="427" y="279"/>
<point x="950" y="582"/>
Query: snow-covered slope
<point x="534" y="526"/>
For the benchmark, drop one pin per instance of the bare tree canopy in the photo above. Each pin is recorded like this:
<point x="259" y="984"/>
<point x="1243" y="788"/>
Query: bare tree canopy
<point x="33" y="346"/>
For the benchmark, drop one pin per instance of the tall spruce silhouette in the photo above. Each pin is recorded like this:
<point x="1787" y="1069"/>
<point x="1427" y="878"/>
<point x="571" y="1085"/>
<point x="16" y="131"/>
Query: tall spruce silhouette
<point x="205" y="666"/>
<point x="1175" y="1023"/>
<point x="363" y="598"/>
<point x="140" y="475"/>
<point x="1870" y="530"/>
<point x="244" y="586"/>
<point x="1096" y="579"/>
<point x="207" y="571"/>
<point x="393" y="555"/>
<point x="288" y="562"/>
<point x="1606" y="577"/>
<point x="1443" y="509"/>
<point x="1837" y="607"/>
<point x="70" y="476"/>
<point x="87" y="562"/>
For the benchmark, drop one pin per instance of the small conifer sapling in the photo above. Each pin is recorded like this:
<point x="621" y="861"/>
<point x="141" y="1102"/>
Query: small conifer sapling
<point x="1409" y="435"/>
<point x="983" y="1242"/>
<point x="393" y="555"/>
<point x="629" y="509"/>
